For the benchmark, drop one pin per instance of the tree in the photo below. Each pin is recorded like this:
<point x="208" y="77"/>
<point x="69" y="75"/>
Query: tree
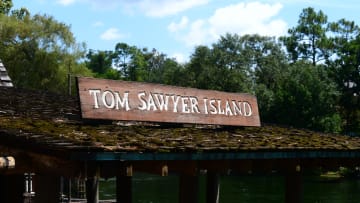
<point x="345" y="70"/>
<point x="306" y="98"/>
<point x="35" y="49"/>
<point x="233" y="68"/>
<point x="160" y="68"/>
<point x="199" y="69"/>
<point x="308" y="39"/>
<point x="139" y="64"/>
<point x="236" y="63"/>
<point x="173" y="73"/>
<point x="222" y="67"/>
<point x="100" y="62"/>
<point x="123" y="55"/>
<point x="130" y="61"/>
<point x="155" y="65"/>
<point x="5" y="6"/>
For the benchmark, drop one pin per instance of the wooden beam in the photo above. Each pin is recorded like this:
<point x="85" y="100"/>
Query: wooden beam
<point x="123" y="189"/>
<point x="188" y="188"/>
<point x="124" y="183"/>
<point x="47" y="188"/>
<point x="127" y="170"/>
<point x="92" y="182"/>
<point x="41" y="163"/>
<point x="92" y="189"/>
<point x="190" y="168"/>
<point x="294" y="185"/>
<point x="212" y="187"/>
<point x="154" y="167"/>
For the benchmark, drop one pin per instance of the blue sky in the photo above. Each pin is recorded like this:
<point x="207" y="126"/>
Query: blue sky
<point x="175" y="27"/>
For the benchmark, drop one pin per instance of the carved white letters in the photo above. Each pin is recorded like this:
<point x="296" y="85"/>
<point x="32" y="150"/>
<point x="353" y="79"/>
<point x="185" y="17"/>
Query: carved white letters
<point x="148" y="101"/>
<point x="133" y="101"/>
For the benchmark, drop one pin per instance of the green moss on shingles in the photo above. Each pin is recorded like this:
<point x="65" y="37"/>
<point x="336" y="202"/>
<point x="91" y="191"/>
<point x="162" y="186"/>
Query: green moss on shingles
<point x="55" y="129"/>
<point x="178" y="139"/>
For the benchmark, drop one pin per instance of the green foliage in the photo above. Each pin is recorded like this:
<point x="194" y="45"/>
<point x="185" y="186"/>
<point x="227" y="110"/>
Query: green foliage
<point x="305" y="98"/>
<point x="331" y="123"/>
<point x="5" y="6"/>
<point x="135" y="64"/>
<point x="345" y="71"/>
<point x="314" y="83"/>
<point x="233" y="63"/>
<point x="308" y="39"/>
<point x="335" y="46"/>
<point x="99" y="62"/>
<point x="237" y="64"/>
<point x="200" y="69"/>
<point x="36" y="48"/>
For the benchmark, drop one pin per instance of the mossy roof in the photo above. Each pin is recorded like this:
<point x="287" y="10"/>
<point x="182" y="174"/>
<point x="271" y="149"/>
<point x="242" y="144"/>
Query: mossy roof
<point x="49" y="121"/>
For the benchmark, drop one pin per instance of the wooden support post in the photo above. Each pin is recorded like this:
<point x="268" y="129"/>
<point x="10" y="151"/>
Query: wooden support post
<point x="212" y="187"/>
<point x="188" y="188"/>
<point x="124" y="184"/>
<point x="69" y="191"/>
<point x="294" y="185"/>
<point x="92" y="182"/>
<point x="123" y="189"/>
<point x="92" y="189"/>
<point x="12" y="188"/>
<point x="47" y="188"/>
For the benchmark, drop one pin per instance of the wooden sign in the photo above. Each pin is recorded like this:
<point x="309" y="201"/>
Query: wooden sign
<point x="134" y="101"/>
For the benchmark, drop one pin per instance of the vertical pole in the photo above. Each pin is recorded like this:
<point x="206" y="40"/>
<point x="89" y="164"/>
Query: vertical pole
<point x="188" y="188"/>
<point x="123" y="189"/>
<point x="28" y="187"/>
<point x="212" y="187"/>
<point x="62" y="189"/>
<point x="92" y="189"/>
<point x="69" y="194"/>
<point x="294" y="186"/>
<point x="124" y="185"/>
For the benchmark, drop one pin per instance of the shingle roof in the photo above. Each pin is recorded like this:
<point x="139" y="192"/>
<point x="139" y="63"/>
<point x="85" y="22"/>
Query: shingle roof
<point x="4" y="77"/>
<point x="53" y="122"/>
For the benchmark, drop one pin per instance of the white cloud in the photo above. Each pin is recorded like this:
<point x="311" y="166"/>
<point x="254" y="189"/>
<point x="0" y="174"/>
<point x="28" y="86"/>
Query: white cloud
<point x="180" y="58"/>
<point x="174" y="27"/>
<point x="103" y="4"/>
<point x="248" y="18"/>
<point x="112" y="34"/>
<point x="242" y="18"/>
<point x="98" y="24"/>
<point x="161" y="8"/>
<point x="151" y="8"/>
<point x="65" y="2"/>
<point x="94" y="4"/>
<point x="198" y="34"/>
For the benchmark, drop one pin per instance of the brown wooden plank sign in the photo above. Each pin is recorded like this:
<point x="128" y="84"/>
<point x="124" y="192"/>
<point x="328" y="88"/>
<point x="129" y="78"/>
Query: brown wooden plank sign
<point x="135" y="101"/>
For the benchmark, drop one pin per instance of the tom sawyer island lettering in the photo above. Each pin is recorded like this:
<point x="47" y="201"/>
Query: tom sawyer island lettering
<point x="121" y="100"/>
<point x="149" y="101"/>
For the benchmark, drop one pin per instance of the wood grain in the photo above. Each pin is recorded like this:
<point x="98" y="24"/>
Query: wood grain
<point x="134" y="101"/>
